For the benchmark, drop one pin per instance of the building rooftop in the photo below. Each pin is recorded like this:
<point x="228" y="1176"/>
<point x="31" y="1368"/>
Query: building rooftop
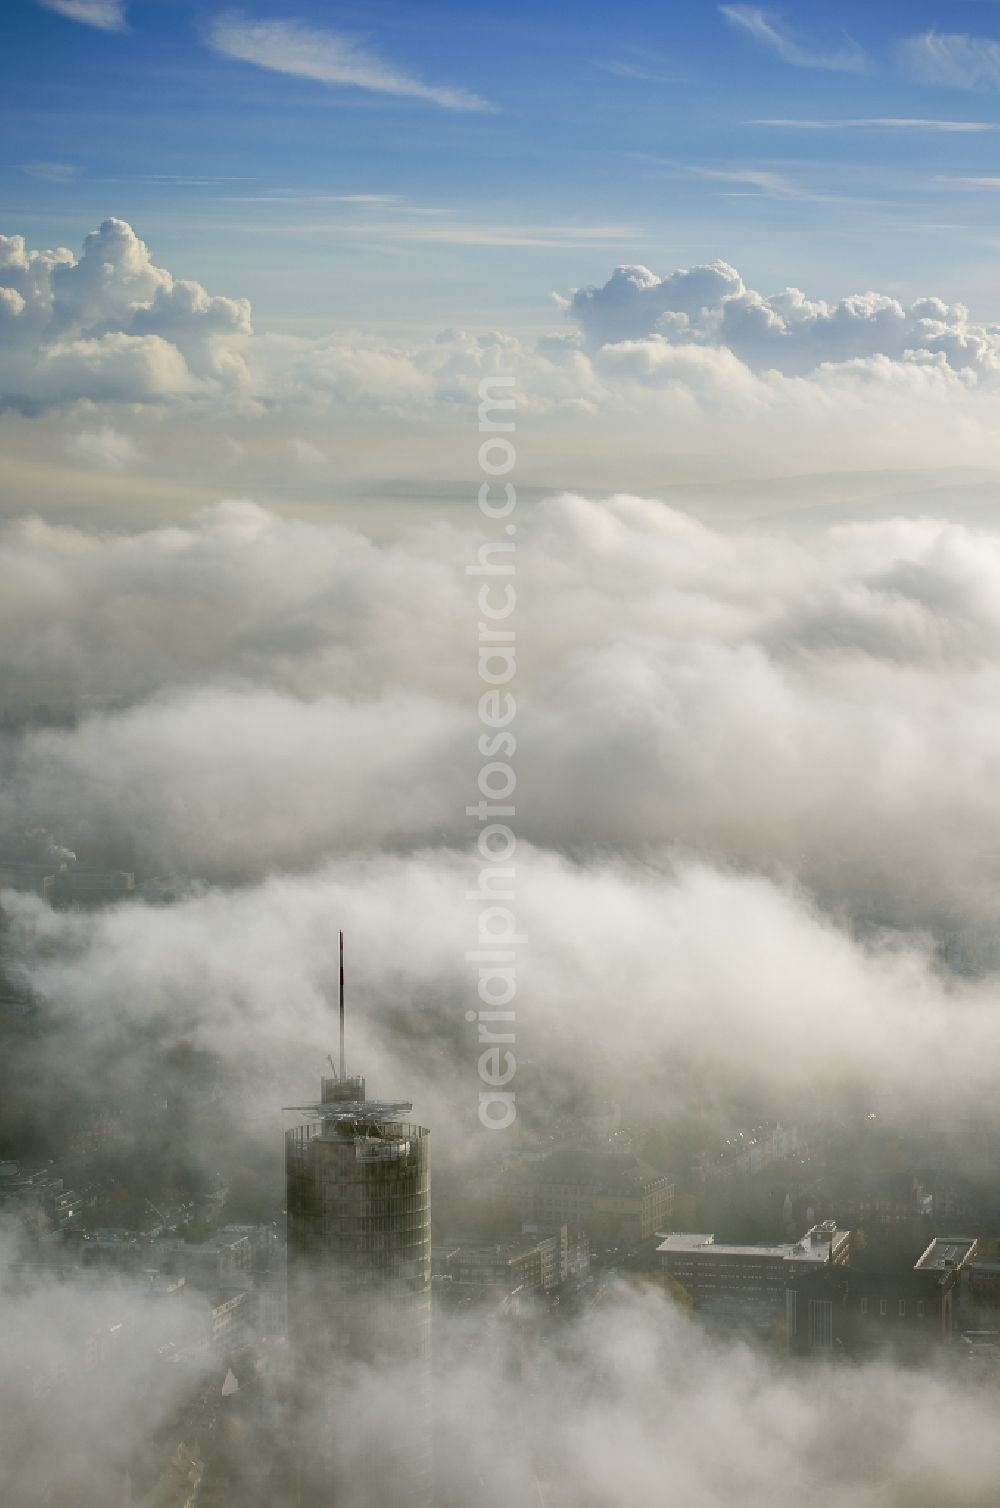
<point x="814" y="1247"/>
<point x="492" y="1251"/>
<point x="945" y="1253"/>
<point x="683" y="1241"/>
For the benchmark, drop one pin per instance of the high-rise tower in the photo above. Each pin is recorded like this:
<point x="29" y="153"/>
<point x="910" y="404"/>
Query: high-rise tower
<point x="359" y="1293"/>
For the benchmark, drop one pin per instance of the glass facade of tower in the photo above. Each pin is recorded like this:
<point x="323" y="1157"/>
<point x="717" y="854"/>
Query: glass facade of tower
<point x="359" y="1291"/>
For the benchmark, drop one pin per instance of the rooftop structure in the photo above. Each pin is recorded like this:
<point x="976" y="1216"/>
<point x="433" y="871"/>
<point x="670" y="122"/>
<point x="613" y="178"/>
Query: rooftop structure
<point x="946" y="1254"/>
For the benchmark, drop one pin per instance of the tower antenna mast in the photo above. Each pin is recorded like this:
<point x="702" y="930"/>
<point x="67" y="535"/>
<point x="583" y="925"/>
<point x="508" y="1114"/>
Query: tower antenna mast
<point x="343" y="1055"/>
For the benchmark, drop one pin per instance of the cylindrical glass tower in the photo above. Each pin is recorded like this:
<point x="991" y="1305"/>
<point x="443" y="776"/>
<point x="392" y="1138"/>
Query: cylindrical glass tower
<point x="359" y="1297"/>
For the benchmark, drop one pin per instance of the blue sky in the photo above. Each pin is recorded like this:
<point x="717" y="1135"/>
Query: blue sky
<point x="607" y="135"/>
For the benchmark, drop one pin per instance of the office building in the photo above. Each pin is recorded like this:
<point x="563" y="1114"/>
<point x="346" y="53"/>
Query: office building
<point x="717" y="1273"/>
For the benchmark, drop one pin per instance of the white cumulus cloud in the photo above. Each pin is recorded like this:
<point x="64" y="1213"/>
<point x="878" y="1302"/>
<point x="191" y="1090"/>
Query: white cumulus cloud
<point x="110" y="325"/>
<point x="711" y="305"/>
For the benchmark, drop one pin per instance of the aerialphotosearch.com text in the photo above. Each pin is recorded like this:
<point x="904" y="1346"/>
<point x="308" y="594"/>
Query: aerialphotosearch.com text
<point x="497" y="939"/>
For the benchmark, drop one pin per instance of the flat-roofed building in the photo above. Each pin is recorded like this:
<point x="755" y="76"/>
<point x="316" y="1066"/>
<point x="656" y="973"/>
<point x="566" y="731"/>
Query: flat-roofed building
<point x="79" y="885"/>
<point x="38" y="879"/>
<point x="223" y="1258"/>
<point x="715" y="1272"/>
<point x="499" y="1268"/>
<point x="535" y="1261"/>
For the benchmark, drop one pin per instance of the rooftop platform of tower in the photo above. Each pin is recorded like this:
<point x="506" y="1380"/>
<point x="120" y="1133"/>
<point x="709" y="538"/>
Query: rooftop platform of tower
<point x="334" y="1112"/>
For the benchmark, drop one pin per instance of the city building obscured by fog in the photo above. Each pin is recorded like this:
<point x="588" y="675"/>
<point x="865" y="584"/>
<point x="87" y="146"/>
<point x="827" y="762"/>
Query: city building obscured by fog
<point x="359" y="1284"/>
<point x="716" y="1273"/>
<point x="897" y="1308"/>
<point x="613" y="1195"/>
<point x="535" y="1262"/>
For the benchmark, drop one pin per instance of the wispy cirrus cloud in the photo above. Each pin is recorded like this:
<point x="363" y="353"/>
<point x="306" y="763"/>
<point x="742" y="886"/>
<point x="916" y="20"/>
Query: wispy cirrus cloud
<point x="329" y="57"/>
<point x="775" y="184"/>
<point x="954" y="59"/>
<point x="106" y="15"/>
<point x="306" y="197"/>
<point x="943" y="181"/>
<point x="637" y="71"/>
<point x="640" y="64"/>
<point x="450" y="233"/>
<point x="882" y="123"/>
<point x="766" y="28"/>
<point x="504" y="235"/>
<point x="184" y="180"/>
<point x="51" y="172"/>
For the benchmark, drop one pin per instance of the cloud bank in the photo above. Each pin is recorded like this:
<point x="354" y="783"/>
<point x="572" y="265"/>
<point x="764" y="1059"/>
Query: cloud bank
<point x="587" y="1413"/>
<point x="741" y="757"/>
<point x="253" y="692"/>
<point x="668" y="356"/>
<point x="690" y="984"/>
